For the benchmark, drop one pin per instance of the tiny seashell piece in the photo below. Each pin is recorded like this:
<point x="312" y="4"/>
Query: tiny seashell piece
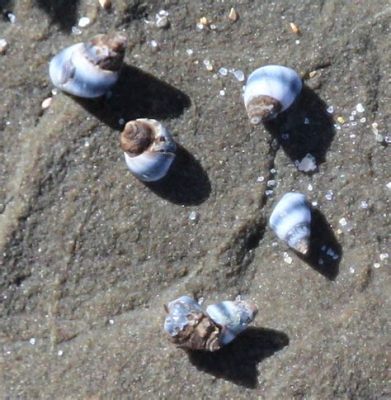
<point x="149" y="149"/>
<point x="189" y="327"/>
<point x="270" y="90"/>
<point x="291" y="221"/>
<point x="89" y="69"/>
<point x="233" y="317"/>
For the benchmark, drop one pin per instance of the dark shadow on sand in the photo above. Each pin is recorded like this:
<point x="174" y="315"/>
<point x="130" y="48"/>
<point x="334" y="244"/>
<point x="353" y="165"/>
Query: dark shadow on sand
<point x="237" y="362"/>
<point x="325" y="253"/>
<point x="61" y="12"/>
<point x="305" y="128"/>
<point x="137" y="94"/>
<point x="186" y="183"/>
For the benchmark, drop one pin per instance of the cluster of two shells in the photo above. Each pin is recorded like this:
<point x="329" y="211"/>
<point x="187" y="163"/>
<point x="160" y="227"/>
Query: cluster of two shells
<point x="89" y="70"/>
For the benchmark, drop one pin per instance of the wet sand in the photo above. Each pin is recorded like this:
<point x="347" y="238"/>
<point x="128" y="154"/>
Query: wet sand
<point x="89" y="255"/>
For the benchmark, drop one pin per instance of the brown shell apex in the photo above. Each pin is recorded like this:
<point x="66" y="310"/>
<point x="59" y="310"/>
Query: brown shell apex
<point x="109" y="50"/>
<point x="201" y="333"/>
<point x="136" y="137"/>
<point x="262" y="108"/>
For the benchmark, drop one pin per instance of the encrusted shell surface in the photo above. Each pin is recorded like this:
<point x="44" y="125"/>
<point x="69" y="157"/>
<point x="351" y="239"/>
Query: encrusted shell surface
<point x="291" y="221"/>
<point x="270" y="90"/>
<point x="233" y="317"/>
<point x="89" y="69"/>
<point x="189" y="327"/>
<point x="149" y="149"/>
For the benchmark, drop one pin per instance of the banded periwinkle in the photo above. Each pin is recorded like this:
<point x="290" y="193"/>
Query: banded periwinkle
<point x="149" y="149"/>
<point x="89" y="69"/>
<point x="269" y="91"/>
<point x="189" y="327"/>
<point x="291" y="221"/>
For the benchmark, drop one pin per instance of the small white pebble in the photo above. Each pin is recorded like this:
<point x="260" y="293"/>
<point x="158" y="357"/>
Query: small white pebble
<point x="273" y="171"/>
<point x="287" y="258"/>
<point x="60" y="353"/>
<point x="329" y="195"/>
<point x="238" y="74"/>
<point x="193" y="216"/>
<point x="297" y="41"/>
<point x="330" y="109"/>
<point x="376" y="265"/>
<point x="153" y="43"/>
<point x="351" y="118"/>
<point x="364" y="204"/>
<point x="222" y="92"/>
<point x="268" y="192"/>
<point x="223" y="71"/>
<point x="163" y="13"/>
<point x="352" y="270"/>
<point x="3" y="46"/>
<point x="363" y="119"/>
<point x="161" y="21"/>
<point x="271" y="183"/>
<point x="83" y="22"/>
<point x="199" y="26"/>
<point x="46" y="103"/>
<point x="307" y="164"/>
<point x="383" y="256"/>
<point x="306" y="121"/>
<point x="310" y="187"/>
<point x="360" y="108"/>
<point x="343" y="222"/>
<point x="261" y="179"/>
<point x="32" y="341"/>
<point x="111" y="321"/>
<point x="76" y="31"/>
<point x="314" y="203"/>
<point x="11" y="17"/>
<point x="189" y="52"/>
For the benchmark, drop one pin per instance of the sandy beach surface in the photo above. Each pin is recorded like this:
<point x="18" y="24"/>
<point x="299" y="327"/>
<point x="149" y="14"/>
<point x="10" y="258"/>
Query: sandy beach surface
<point x="89" y="255"/>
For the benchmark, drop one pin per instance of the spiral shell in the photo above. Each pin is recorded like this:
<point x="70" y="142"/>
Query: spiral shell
<point x="190" y="327"/>
<point x="291" y="221"/>
<point x="148" y="148"/>
<point x="89" y="69"/>
<point x="270" y="90"/>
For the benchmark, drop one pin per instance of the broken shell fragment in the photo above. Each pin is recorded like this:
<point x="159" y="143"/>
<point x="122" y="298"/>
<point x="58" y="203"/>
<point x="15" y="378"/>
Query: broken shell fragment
<point x="291" y="221"/>
<point x="190" y="327"/>
<point x="269" y="91"/>
<point x="91" y="68"/>
<point x="149" y="149"/>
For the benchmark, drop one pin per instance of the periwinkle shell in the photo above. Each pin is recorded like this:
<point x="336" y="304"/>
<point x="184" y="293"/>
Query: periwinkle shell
<point x="291" y="221"/>
<point x="269" y="91"/>
<point x="149" y="149"/>
<point x="89" y="69"/>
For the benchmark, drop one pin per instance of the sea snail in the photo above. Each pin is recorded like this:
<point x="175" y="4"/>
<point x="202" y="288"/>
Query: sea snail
<point x="291" y="221"/>
<point x="191" y="328"/>
<point x="91" y="68"/>
<point x="148" y="147"/>
<point x="270" y="90"/>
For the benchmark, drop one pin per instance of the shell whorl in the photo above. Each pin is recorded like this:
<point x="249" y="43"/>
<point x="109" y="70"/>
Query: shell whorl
<point x="262" y="108"/>
<point x="106" y="51"/>
<point x="136" y="137"/>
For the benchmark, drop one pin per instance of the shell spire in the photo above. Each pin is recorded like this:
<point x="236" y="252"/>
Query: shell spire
<point x="148" y="147"/>
<point x="291" y="221"/>
<point x="270" y="90"/>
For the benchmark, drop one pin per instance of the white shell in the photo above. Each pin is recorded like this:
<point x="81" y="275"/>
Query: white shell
<point x="154" y="157"/>
<point x="270" y="90"/>
<point x="291" y="221"/>
<point x="190" y="327"/>
<point x="233" y="316"/>
<point x="88" y="69"/>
